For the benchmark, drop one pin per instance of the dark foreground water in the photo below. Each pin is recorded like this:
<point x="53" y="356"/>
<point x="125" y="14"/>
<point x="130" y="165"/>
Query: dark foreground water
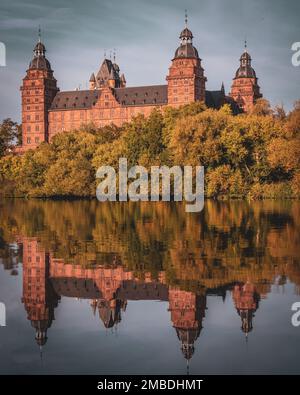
<point x="112" y="288"/>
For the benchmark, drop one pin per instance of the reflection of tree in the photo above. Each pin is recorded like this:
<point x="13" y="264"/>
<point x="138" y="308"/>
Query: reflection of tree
<point x="8" y="256"/>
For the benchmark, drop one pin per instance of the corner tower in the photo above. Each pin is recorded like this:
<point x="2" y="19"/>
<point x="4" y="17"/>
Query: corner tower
<point x="186" y="80"/>
<point x="38" y="91"/>
<point x="245" y="89"/>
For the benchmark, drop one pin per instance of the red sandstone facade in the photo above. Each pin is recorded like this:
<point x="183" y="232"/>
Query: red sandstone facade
<point x="46" y="111"/>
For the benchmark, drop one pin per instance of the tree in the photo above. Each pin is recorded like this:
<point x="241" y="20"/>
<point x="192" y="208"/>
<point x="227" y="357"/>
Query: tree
<point x="292" y="125"/>
<point x="195" y="139"/>
<point x="9" y="136"/>
<point x="284" y="154"/>
<point x="262" y="107"/>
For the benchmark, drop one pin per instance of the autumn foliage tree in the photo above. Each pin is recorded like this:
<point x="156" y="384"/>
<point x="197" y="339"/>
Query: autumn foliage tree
<point x="252" y="155"/>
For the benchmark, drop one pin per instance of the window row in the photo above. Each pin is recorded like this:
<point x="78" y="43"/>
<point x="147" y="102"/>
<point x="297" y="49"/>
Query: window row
<point x="36" y="140"/>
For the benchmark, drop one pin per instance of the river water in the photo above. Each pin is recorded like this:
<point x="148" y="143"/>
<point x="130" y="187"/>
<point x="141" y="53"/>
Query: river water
<point x="146" y="288"/>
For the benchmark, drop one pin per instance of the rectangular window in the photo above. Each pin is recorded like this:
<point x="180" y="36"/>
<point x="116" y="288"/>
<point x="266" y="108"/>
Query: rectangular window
<point x="37" y="117"/>
<point x="28" y="128"/>
<point x="37" y="128"/>
<point x="27" y="117"/>
<point x="28" y="140"/>
<point x="37" y="140"/>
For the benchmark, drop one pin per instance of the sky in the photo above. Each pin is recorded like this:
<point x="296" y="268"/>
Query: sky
<point x="144" y="34"/>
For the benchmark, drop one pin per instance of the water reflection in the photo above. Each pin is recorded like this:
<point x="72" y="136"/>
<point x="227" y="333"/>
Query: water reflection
<point x="112" y="254"/>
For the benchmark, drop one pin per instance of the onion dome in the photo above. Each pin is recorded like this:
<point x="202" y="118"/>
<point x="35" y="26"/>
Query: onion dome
<point x="186" y="34"/>
<point x="41" y="327"/>
<point x="186" y="48"/>
<point x="187" y="338"/>
<point x="39" y="60"/>
<point x="245" y="70"/>
<point x="39" y="49"/>
<point x="186" y="51"/>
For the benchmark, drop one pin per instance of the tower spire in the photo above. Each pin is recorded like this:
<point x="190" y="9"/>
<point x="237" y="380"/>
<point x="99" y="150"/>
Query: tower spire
<point x="186" y="18"/>
<point x="223" y="88"/>
<point x="39" y="34"/>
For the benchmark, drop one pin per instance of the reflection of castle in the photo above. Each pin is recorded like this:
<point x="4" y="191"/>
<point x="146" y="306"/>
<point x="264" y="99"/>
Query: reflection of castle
<point x="46" y="279"/>
<point x="39" y="296"/>
<point x="246" y="301"/>
<point x="187" y="312"/>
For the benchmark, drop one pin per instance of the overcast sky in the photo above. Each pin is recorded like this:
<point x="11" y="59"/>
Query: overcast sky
<point x="145" y="34"/>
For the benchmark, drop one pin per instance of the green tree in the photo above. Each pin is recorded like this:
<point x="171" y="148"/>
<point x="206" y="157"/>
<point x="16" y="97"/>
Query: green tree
<point x="9" y="136"/>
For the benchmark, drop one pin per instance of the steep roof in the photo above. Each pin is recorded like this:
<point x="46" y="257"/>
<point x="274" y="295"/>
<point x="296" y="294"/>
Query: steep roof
<point x="214" y="99"/>
<point x="142" y="95"/>
<point x="75" y="99"/>
<point x="135" y="96"/>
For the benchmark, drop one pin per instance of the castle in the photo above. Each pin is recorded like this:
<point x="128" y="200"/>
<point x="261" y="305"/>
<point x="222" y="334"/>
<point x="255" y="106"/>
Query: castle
<point x="47" y="111"/>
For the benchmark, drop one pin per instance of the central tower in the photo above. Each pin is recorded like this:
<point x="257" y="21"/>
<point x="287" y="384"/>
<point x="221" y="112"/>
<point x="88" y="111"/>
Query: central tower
<point x="186" y="80"/>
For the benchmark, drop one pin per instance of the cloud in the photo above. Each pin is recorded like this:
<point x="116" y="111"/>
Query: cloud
<point x="145" y="34"/>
